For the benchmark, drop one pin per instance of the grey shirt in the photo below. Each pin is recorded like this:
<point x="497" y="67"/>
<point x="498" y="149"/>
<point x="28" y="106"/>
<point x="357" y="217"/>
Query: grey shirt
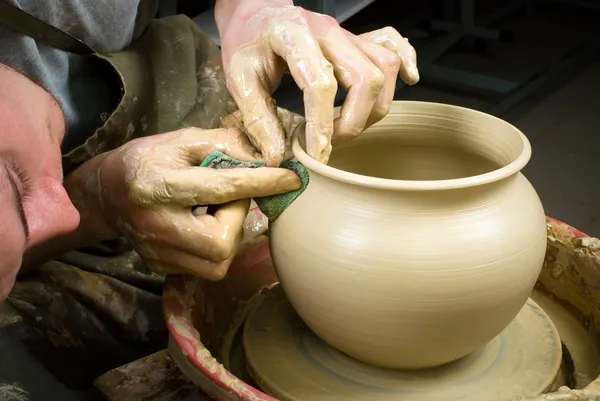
<point x="80" y="84"/>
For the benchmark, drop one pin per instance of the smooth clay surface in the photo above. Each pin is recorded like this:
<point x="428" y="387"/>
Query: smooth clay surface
<point x="419" y="242"/>
<point x="291" y="363"/>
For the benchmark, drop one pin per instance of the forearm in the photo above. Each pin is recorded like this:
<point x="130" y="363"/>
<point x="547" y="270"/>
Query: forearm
<point x="226" y="11"/>
<point x="84" y="190"/>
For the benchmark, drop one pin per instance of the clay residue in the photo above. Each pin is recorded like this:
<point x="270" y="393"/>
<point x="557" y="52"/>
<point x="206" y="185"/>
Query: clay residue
<point x="590" y="393"/>
<point x="290" y="362"/>
<point x="571" y="276"/>
<point x="580" y="344"/>
<point x="12" y="392"/>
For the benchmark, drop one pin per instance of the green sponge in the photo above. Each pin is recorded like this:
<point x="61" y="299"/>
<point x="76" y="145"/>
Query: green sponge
<point x="271" y="206"/>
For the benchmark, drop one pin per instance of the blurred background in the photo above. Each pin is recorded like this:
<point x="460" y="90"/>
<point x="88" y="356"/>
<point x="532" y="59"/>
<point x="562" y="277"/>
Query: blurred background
<point x="533" y="63"/>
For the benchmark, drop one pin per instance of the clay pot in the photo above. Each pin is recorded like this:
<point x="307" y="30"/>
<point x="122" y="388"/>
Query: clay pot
<point x="419" y="242"/>
<point x="201" y="316"/>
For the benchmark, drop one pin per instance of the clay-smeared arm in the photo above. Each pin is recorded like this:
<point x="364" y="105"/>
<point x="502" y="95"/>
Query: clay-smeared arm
<point x="261" y="39"/>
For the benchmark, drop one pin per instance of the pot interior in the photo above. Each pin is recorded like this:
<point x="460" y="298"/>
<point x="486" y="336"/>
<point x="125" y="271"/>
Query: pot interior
<point x="422" y="141"/>
<point x="393" y="157"/>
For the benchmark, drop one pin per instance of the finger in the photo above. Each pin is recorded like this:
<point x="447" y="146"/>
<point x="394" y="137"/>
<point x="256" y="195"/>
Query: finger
<point x="215" y="237"/>
<point x="251" y="91"/>
<point x="314" y="75"/>
<point x="211" y="237"/>
<point x="205" y="186"/>
<point x="357" y="74"/>
<point x="390" y="39"/>
<point x="290" y="121"/>
<point x="175" y="261"/>
<point x="196" y="144"/>
<point x="389" y="63"/>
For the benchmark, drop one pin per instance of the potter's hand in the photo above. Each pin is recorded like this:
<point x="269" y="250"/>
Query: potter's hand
<point x="261" y="38"/>
<point x="150" y="187"/>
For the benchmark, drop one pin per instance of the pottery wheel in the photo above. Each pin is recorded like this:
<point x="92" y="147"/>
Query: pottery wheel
<point x="290" y="362"/>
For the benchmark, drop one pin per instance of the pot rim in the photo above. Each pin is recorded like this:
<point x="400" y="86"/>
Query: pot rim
<point x="506" y="171"/>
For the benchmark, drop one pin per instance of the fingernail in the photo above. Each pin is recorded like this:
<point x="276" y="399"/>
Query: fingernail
<point x="324" y="156"/>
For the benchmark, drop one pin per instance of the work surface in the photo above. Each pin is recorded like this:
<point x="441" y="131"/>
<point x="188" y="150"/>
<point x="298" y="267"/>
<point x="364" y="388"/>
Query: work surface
<point x="156" y="376"/>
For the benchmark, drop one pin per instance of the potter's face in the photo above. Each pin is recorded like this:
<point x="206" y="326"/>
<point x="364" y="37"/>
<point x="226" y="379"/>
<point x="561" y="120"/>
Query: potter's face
<point x="34" y="205"/>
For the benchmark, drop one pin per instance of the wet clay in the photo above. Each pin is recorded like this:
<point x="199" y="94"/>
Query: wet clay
<point x="289" y="362"/>
<point x="419" y="243"/>
<point x="584" y="351"/>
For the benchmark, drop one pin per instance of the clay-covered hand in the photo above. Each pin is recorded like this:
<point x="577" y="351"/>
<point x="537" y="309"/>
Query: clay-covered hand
<point x="291" y="122"/>
<point x="150" y="190"/>
<point x="261" y="39"/>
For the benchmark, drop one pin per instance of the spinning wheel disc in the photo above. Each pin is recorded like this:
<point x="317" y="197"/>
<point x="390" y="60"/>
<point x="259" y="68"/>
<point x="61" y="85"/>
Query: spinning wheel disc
<point x="290" y="362"/>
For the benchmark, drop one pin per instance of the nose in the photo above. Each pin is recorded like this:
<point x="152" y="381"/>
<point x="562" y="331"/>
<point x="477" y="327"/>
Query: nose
<point x="50" y="212"/>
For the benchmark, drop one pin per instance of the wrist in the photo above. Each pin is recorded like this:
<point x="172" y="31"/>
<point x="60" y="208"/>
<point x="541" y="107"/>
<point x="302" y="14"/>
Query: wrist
<point x="241" y="10"/>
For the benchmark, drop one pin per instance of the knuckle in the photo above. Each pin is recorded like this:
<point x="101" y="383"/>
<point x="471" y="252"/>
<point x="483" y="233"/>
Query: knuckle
<point x="158" y="267"/>
<point x="376" y="80"/>
<point x="391" y="61"/>
<point x="390" y="32"/>
<point x="154" y="191"/>
<point x="143" y="191"/>
<point x="328" y="19"/>
<point x="274" y="157"/>
<point x="353" y="131"/>
<point x="380" y="110"/>
<point x="138" y="193"/>
<point x="325" y="84"/>
<point x="221" y="247"/>
<point x="218" y="273"/>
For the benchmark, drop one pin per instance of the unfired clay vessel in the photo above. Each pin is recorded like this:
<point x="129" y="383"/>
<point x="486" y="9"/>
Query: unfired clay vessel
<point x="419" y="242"/>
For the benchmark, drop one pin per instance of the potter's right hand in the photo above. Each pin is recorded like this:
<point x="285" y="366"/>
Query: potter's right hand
<point x="149" y="189"/>
<point x="261" y="39"/>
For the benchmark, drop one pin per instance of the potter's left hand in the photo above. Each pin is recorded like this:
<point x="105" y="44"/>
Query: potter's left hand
<point x="148" y="191"/>
<point x="260" y="39"/>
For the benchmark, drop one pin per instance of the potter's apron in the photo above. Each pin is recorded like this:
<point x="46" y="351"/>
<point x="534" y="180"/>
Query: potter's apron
<point x="95" y="309"/>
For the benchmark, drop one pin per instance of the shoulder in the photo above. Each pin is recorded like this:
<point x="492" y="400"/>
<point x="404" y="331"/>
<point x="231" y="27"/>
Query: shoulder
<point x="107" y="26"/>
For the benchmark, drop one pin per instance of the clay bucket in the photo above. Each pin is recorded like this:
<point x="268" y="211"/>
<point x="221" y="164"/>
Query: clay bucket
<point x="204" y="316"/>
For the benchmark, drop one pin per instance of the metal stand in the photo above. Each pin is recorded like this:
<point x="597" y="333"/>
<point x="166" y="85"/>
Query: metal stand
<point x="466" y="27"/>
<point x="572" y="61"/>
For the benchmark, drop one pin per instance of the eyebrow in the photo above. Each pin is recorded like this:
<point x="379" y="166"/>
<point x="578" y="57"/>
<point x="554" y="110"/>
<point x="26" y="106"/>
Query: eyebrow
<point x="18" y="201"/>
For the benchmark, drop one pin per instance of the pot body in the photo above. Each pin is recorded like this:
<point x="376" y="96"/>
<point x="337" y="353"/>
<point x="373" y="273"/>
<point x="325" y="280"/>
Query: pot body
<point x="409" y="278"/>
